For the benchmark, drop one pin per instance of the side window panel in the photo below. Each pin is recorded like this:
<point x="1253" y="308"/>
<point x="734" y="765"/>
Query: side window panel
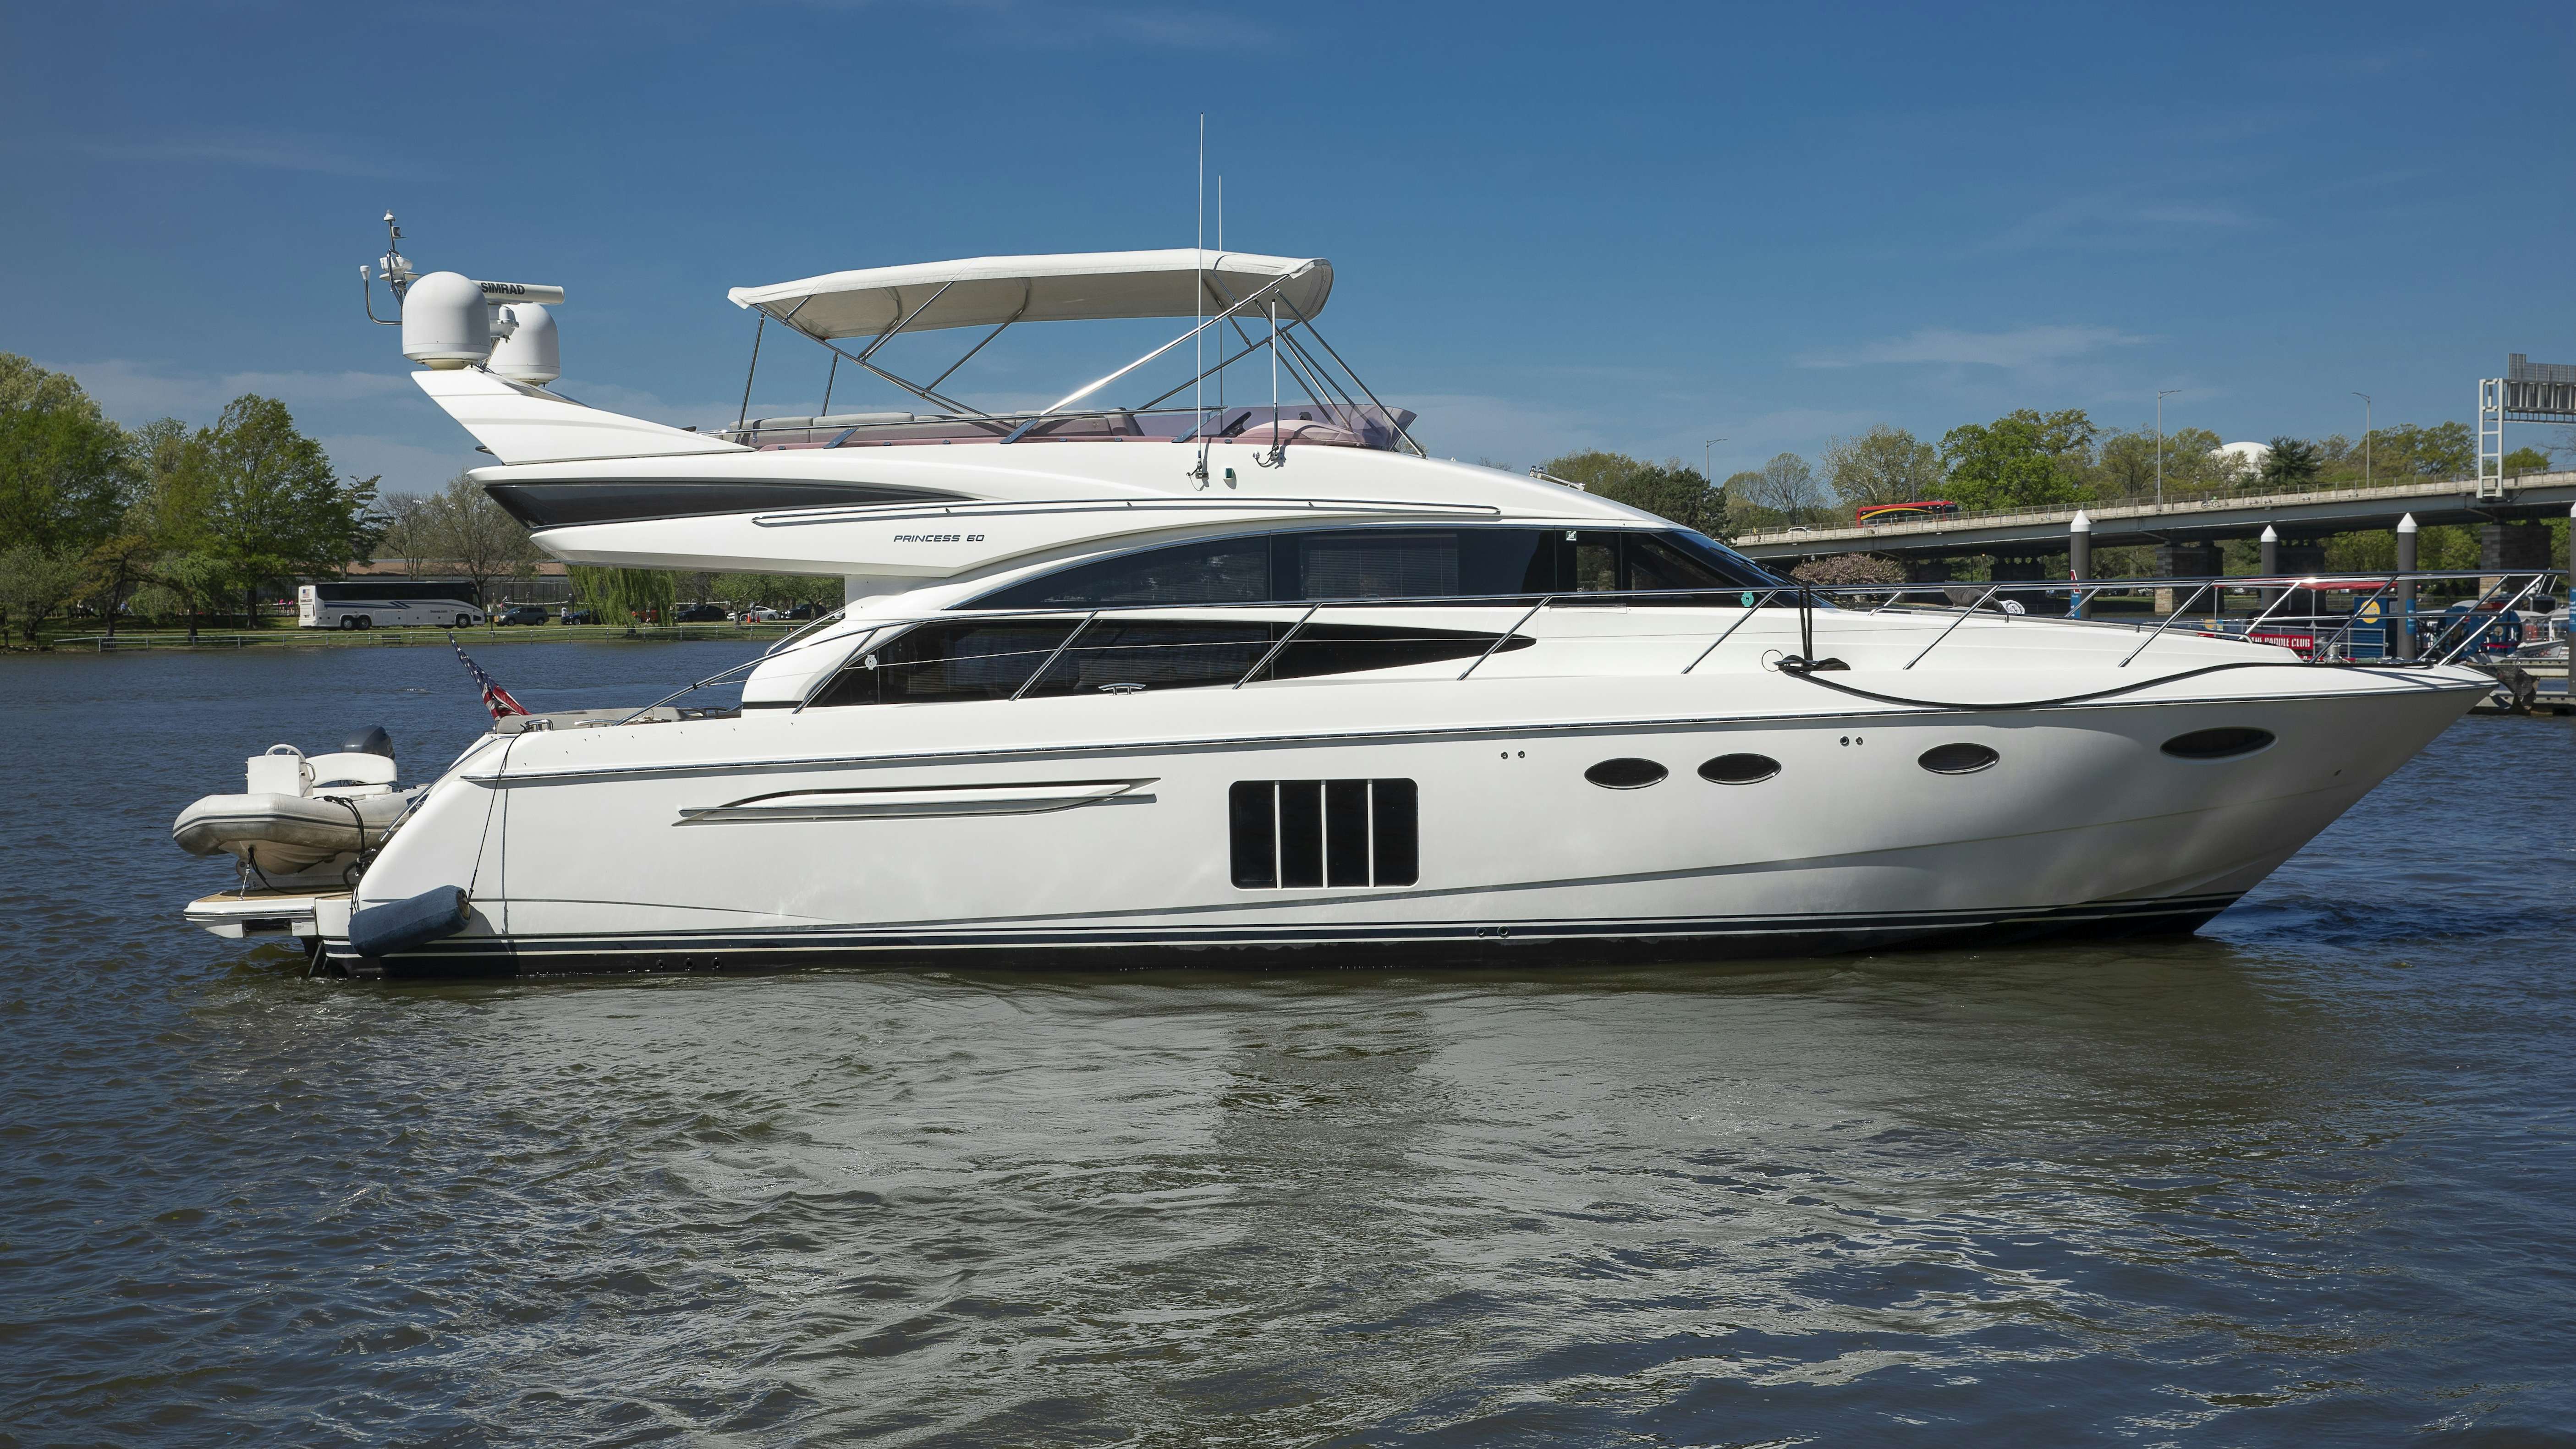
<point x="1394" y="813"/>
<point x="1596" y="563"/>
<point x="989" y="660"/>
<point x="1341" y="563"/>
<point x="949" y="662"/>
<point x="1253" y="819"/>
<point x="1170" y="654"/>
<point x="1301" y="834"/>
<point x="1377" y="564"/>
<point x="1655" y="563"/>
<point x="1212" y="571"/>
<point x="1346" y="649"/>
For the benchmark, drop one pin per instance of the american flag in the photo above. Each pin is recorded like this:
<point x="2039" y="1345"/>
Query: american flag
<point x="495" y="698"/>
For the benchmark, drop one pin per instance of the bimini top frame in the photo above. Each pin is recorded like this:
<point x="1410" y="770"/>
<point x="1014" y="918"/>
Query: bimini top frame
<point x="995" y="293"/>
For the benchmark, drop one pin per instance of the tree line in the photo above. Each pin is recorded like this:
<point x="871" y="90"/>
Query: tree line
<point x="163" y="520"/>
<point x="196" y="525"/>
<point x="2033" y="459"/>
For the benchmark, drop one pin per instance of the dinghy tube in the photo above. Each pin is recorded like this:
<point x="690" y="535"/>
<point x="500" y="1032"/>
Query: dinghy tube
<point x="380" y="931"/>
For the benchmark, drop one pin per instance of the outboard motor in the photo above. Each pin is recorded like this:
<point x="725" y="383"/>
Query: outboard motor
<point x="369" y="741"/>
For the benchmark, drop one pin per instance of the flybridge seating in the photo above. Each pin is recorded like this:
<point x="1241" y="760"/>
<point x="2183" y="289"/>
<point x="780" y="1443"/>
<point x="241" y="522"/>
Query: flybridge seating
<point x="1243" y="305"/>
<point x="1311" y="424"/>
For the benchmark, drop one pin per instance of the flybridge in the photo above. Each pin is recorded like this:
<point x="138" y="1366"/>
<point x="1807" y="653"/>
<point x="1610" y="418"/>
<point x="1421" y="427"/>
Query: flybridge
<point x="489" y="350"/>
<point x="1256" y="305"/>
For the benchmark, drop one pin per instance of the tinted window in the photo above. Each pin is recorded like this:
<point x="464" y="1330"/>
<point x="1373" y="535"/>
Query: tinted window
<point x="1158" y="654"/>
<point x="1395" y="563"/>
<point x="1957" y="759"/>
<point x="1605" y="561"/>
<point x="1347" y="649"/>
<point x="1211" y="571"/>
<point x="990" y="660"/>
<point x="2218" y="744"/>
<point x="950" y="661"/>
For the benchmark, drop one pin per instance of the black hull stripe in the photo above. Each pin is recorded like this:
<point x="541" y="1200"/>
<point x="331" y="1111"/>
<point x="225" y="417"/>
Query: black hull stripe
<point x="556" y="953"/>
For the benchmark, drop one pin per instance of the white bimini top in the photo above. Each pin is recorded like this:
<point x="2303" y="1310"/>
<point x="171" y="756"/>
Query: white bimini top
<point x="1070" y="287"/>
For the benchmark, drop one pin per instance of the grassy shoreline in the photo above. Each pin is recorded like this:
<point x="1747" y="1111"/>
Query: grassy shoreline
<point x="237" y="639"/>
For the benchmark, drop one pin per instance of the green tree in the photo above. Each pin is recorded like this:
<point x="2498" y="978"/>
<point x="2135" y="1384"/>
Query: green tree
<point x="465" y="530"/>
<point x="2025" y="459"/>
<point x="1784" y="490"/>
<point x="2442" y="451"/>
<point x="66" y="472"/>
<point x="269" y="503"/>
<point x="1881" y="464"/>
<point x="2526" y="460"/>
<point x="621" y="596"/>
<point x="35" y="582"/>
<point x="2125" y="463"/>
<point x="2293" y="466"/>
<point x="1668" y="489"/>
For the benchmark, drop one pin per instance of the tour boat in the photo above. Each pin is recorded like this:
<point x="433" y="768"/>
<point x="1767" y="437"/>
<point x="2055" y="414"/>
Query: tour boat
<point x="1218" y="683"/>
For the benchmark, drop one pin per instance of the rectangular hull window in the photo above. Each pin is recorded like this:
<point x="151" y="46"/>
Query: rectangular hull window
<point x="1309" y="833"/>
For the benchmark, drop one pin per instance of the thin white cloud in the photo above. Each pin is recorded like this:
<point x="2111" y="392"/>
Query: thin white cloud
<point x="2023" y="347"/>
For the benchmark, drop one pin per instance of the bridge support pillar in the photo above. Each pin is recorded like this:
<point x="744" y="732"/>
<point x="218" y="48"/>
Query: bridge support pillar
<point x="2079" y="561"/>
<point x="2405" y="589"/>
<point x="2025" y="570"/>
<point x="2505" y="548"/>
<point x="2183" y="561"/>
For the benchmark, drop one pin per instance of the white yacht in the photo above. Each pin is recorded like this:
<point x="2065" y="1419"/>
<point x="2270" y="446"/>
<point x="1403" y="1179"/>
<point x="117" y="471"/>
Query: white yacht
<point x="1196" y="684"/>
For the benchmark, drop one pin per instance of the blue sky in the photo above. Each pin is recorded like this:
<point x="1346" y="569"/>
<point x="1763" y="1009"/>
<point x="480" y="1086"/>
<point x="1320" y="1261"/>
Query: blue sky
<point x="1554" y="226"/>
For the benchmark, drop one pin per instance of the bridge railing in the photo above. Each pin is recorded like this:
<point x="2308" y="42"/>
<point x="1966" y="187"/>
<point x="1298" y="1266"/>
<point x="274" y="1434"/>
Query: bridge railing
<point x="2176" y="501"/>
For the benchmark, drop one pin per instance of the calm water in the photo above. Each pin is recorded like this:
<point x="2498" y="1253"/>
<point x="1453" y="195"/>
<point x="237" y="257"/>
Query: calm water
<point x="2304" y="1179"/>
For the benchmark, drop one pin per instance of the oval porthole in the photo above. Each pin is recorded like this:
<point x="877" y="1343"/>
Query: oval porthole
<point x="2223" y="743"/>
<point x="1956" y="759"/>
<point x="1625" y="774"/>
<point x="1739" y="769"/>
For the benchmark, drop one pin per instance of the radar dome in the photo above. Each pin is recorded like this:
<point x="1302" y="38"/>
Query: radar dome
<point x="445" y="322"/>
<point x="527" y="350"/>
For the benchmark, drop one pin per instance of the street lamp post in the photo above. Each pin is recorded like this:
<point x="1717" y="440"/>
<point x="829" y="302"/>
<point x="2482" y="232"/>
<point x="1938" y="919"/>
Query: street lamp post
<point x="2365" y="437"/>
<point x="2160" y="443"/>
<point x="1707" y="473"/>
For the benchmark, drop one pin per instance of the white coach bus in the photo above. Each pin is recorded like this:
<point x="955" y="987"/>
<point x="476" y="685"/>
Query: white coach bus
<point x="387" y="604"/>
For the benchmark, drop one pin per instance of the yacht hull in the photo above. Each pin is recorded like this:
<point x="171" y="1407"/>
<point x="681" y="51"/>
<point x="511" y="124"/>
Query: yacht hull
<point x="1118" y="854"/>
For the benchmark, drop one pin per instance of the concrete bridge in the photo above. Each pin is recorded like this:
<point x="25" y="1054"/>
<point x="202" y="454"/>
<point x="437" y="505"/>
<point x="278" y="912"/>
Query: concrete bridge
<point x="2511" y="522"/>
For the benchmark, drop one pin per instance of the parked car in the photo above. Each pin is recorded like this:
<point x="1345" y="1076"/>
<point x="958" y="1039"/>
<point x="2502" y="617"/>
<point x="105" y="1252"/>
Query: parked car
<point x="698" y="614"/>
<point x="571" y="615"/>
<point x="807" y="611"/>
<point x="520" y="614"/>
<point x="759" y="614"/>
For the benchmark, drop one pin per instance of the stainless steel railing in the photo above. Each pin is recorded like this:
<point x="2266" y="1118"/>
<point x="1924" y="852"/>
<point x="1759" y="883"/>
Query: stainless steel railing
<point x="2320" y="636"/>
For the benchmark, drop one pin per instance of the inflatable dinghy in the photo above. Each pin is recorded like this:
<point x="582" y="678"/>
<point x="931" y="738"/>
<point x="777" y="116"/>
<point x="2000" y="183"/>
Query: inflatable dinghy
<point x="299" y="813"/>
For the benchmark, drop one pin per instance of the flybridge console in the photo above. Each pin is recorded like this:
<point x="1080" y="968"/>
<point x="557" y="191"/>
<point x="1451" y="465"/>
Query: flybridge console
<point x="450" y="321"/>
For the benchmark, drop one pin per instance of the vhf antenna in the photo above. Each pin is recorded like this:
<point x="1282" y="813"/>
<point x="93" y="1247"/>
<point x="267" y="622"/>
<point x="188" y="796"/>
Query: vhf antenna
<point x="397" y="269"/>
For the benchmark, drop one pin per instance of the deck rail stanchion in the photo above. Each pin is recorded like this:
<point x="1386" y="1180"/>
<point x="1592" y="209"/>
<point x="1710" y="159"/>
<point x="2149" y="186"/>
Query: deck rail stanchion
<point x="2182" y="609"/>
<point x="1294" y="630"/>
<point x="1729" y="632"/>
<point x="1506" y="636"/>
<point x="1981" y="602"/>
<point x="1049" y="663"/>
